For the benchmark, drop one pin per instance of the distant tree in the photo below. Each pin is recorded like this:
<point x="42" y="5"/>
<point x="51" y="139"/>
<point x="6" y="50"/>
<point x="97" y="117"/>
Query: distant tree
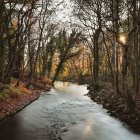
<point x="65" y="45"/>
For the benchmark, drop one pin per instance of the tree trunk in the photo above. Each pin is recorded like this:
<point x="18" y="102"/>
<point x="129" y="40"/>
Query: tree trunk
<point x="59" y="67"/>
<point x="96" y="56"/>
<point x="124" y="67"/>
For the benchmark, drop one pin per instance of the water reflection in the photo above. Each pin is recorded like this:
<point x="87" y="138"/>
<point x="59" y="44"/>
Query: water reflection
<point x="62" y="86"/>
<point x="59" y="84"/>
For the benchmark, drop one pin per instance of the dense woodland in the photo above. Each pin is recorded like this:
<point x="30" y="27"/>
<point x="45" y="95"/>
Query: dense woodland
<point x="103" y="43"/>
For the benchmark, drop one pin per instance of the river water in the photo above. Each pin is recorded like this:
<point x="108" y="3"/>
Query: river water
<point x="64" y="113"/>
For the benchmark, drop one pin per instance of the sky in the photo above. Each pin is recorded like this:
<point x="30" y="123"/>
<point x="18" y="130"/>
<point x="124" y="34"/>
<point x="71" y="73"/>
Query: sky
<point x="64" y="13"/>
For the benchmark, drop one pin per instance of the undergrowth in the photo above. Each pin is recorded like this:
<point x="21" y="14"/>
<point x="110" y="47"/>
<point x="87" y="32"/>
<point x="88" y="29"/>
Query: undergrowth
<point x="7" y="91"/>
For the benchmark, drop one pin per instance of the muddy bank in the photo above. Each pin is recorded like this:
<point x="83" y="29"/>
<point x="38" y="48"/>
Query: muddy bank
<point x="12" y="105"/>
<point x="116" y="106"/>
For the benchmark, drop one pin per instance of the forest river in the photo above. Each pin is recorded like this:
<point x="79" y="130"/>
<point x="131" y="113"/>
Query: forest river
<point x="64" y="113"/>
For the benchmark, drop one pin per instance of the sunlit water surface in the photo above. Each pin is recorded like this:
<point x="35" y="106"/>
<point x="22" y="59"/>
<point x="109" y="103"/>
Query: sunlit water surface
<point x="64" y="113"/>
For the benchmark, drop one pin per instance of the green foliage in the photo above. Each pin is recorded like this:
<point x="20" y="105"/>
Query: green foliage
<point x="67" y="47"/>
<point x="65" y="44"/>
<point x="7" y="91"/>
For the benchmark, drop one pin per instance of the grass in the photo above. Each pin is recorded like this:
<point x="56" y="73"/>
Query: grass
<point x="8" y="91"/>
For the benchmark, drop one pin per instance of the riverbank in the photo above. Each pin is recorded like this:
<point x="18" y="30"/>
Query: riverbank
<point x="19" y="97"/>
<point x="115" y="105"/>
<point x="80" y="80"/>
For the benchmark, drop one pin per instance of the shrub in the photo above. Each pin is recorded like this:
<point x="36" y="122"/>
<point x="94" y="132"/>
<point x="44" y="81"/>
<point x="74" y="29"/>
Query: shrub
<point x="8" y="91"/>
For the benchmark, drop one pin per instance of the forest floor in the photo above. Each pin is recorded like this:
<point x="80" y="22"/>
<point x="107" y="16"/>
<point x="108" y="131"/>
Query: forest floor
<point x="116" y="105"/>
<point x="19" y="97"/>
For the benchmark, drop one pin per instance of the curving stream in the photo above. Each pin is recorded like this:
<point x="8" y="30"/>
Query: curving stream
<point x="64" y="113"/>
